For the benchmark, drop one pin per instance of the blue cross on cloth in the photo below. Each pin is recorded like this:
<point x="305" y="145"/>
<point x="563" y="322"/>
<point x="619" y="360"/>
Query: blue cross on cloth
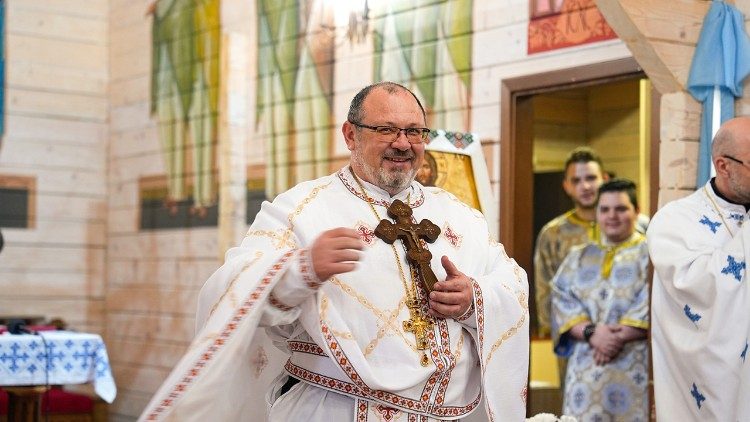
<point x="734" y="268"/>
<point x="56" y="357"/>
<point x="699" y="398"/>
<point x="713" y="225"/>
<point x="721" y="62"/>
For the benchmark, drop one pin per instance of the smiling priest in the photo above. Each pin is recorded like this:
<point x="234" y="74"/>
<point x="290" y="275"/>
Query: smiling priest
<point x="390" y="300"/>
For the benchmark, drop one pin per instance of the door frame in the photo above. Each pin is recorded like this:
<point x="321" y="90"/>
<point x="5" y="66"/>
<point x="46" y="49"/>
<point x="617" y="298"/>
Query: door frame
<point x="516" y="173"/>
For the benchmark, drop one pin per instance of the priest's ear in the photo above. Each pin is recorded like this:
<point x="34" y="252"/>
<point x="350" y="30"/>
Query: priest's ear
<point x="348" y="130"/>
<point x="721" y="165"/>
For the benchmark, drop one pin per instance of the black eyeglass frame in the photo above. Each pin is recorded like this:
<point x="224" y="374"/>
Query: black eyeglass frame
<point x="423" y="131"/>
<point x="734" y="159"/>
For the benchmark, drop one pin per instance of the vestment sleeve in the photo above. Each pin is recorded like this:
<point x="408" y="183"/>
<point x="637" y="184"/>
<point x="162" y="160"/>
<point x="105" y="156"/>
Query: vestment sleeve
<point x="502" y="333"/>
<point x="544" y="270"/>
<point x="567" y="308"/>
<point x="637" y="315"/>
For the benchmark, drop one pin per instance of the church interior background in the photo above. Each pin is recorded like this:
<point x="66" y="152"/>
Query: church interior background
<point x="140" y="137"/>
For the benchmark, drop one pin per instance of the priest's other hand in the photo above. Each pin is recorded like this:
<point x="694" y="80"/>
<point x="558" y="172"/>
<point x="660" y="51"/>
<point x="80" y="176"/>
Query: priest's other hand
<point x="452" y="297"/>
<point x="606" y="343"/>
<point x="335" y="251"/>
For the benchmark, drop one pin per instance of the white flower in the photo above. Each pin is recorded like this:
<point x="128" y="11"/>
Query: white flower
<point x="542" y="417"/>
<point x="548" y="417"/>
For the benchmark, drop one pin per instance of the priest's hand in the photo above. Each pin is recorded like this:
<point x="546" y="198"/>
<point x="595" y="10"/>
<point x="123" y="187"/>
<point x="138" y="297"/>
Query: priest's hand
<point x="335" y="252"/>
<point x="606" y="343"/>
<point x="452" y="297"/>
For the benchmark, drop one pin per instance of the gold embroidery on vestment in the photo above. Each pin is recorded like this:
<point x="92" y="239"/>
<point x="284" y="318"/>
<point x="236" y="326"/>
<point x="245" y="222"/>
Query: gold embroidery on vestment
<point x="387" y="318"/>
<point x="228" y="290"/>
<point x="304" y="203"/>
<point x="282" y="238"/>
<point x="524" y="302"/>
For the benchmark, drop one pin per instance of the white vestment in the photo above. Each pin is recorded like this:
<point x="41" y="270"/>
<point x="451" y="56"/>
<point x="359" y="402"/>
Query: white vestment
<point x="345" y="337"/>
<point x="700" y="309"/>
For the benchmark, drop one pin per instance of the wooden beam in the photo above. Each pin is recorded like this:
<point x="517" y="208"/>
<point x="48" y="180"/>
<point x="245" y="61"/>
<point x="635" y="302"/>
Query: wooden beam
<point x="661" y="36"/>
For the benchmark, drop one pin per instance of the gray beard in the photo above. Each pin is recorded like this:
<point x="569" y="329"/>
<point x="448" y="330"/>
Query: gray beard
<point x="392" y="182"/>
<point x="739" y="190"/>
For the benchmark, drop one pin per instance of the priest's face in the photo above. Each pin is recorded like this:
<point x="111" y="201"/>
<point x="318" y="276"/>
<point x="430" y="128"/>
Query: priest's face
<point x="616" y="216"/>
<point x="387" y="161"/>
<point x="581" y="183"/>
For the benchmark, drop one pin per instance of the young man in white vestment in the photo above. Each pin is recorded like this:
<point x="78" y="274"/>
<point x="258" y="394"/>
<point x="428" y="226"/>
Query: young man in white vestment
<point x="600" y="315"/>
<point x="364" y="338"/>
<point x="700" y="302"/>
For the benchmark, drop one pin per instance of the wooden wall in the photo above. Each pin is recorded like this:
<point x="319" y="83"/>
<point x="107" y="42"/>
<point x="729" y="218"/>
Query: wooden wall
<point x="153" y="277"/>
<point x="614" y="127"/>
<point x="56" y="133"/>
<point x="603" y="117"/>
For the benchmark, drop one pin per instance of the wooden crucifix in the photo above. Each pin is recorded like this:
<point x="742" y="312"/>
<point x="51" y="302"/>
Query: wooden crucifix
<point x="411" y="234"/>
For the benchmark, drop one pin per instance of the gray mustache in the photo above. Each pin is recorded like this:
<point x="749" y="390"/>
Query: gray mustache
<point x="399" y="154"/>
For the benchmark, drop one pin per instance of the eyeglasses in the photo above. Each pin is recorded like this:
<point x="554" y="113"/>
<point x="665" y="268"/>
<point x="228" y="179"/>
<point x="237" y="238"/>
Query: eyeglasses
<point x="415" y="135"/>
<point x="734" y="159"/>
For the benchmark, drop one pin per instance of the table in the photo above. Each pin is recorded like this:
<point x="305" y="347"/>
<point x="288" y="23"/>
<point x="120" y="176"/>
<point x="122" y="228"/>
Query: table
<point x="52" y="358"/>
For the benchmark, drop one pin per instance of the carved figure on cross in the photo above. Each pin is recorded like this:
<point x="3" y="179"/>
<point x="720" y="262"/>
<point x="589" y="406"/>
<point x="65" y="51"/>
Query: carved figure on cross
<point x="411" y="234"/>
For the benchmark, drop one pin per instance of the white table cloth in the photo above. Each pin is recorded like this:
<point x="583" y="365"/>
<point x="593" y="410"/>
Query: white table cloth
<point x="55" y="358"/>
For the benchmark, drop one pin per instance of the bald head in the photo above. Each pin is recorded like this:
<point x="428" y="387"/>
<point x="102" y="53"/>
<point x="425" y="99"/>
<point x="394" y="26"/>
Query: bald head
<point x="731" y="157"/>
<point x="730" y="136"/>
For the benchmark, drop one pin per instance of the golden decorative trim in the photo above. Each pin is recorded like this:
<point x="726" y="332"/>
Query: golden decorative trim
<point x="258" y="255"/>
<point x="572" y="323"/>
<point x="523" y="300"/>
<point x="635" y="323"/>
<point x="304" y="203"/>
<point x="283" y="238"/>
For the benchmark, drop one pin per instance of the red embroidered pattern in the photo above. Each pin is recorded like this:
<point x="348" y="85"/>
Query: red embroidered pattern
<point x="469" y="312"/>
<point x="388" y="413"/>
<point x="277" y="304"/>
<point x="452" y="237"/>
<point x="359" y="389"/>
<point x="344" y="175"/>
<point x="305" y="268"/>
<point x="365" y="233"/>
<point x="361" y="410"/>
<point x="210" y="352"/>
<point x="305" y="347"/>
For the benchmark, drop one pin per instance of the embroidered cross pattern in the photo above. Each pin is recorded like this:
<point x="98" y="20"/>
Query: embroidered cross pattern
<point x="15" y="357"/>
<point x="365" y="233"/>
<point x="411" y="234"/>
<point x="713" y="225"/>
<point x="734" y="268"/>
<point x="691" y="316"/>
<point x="743" y="355"/>
<point x="453" y="238"/>
<point x="699" y="398"/>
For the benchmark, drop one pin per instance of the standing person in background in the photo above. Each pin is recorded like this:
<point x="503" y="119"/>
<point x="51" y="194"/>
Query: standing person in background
<point x="584" y="174"/>
<point x="699" y="246"/>
<point x="600" y="315"/>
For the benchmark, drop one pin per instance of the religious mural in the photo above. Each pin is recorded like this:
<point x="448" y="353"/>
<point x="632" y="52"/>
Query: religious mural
<point x="426" y="46"/>
<point x="557" y="24"/>
<point x="294" y="105"/>
<point x="184" y="101"/>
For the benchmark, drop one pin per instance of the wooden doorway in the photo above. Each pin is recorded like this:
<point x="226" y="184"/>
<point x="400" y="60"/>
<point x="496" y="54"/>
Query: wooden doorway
<point x="519" y="103"/>
<point x="516" y="169"/>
